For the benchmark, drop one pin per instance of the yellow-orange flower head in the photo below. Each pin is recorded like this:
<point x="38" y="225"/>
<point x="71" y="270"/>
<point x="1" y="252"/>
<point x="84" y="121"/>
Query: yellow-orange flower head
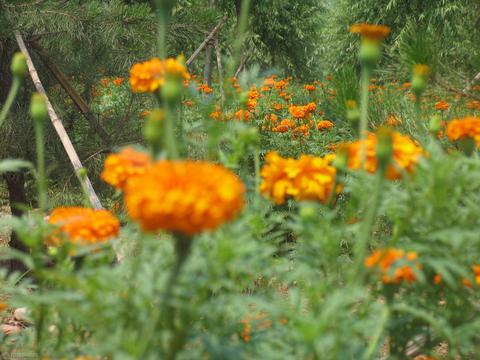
<point x="150" y="75"/>
<point x="308" y="178"/>
<point x="119" y="168"/>
<point x="184" y="196"/>
<point x="370" y="32"/>
<point x="406" y="154"/>
<point x="83" y="226"/>
<point x="468" y="127"/>
<point x="394" y="265"/>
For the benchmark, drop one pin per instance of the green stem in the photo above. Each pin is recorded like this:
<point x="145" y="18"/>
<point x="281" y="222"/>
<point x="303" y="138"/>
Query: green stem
<point x="169" y="133"/>
<point x="16" y="83"/>
<point x="373" y="344"/>
<point x="363" y="126"/>
<point x="366" y="231"/>
<point x="182" y="251"/>
<point x="42" y="179"/>
<point x="256" y="159"/>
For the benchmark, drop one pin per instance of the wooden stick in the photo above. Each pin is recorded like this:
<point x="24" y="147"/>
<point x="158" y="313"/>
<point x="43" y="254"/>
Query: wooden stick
<point x="219" y="67"/>
<point x="72" y="93"/>
<point x="206" y="41"/>
<point x="57" y="124"/>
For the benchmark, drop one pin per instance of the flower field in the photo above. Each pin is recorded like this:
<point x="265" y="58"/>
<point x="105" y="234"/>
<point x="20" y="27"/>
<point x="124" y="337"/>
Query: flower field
<point x="258" y="216"/>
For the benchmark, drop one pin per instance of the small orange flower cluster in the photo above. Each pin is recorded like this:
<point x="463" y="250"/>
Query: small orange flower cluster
<point x="120" y="167"/>
<point x="370" y="32"/>
<point x="442" y="105"/>
<point x="324" y="125"/>
<point x="184" y="196"/>
<point x="204" y="88"/>
<point x="308" y="178"/>
<point x="473" y="105"/>
<point x="310" y="88"/>
<point x="393" y="121"/>
<point x="261" y="322"/>
<point x="83" y="226"/>
<point x="406" y="154"/>
<point x="395" y="265"/>
<point x="302" y="111"/>
<point x="150" y="75"/>
<point x="468" y="127"/>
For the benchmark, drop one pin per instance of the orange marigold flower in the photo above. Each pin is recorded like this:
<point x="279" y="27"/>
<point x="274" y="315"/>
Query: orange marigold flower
<point x="468" y="127"/>
<point x="184" y="196"/>
<point x="324" y="125"/>
<point x="437" y="279"/>
<point x="308" y="178"/>
<point x="204" y="88"/>
<point x="118" y="81"/>
<point x="281" y="84"/>
<point x="150" y="75"/>
<point x="145" y="113"/>
<point x="442" y="105"/>
<point x="310" y="88"/>
<point x="3" y="307"/>
<point x="393" y="121"/>
<point x="83" y="226"/>
<point x="394" y="265"/>
<point x="251" y="104"/>
<point x="476" y="273"/>
<point x="281" y="128"/>
<point x="242" y="115"/>
<point x="473" y="105"/>
<point x="122" y="166"/>
<point x="370" y="32"/>
<point x="289" y="123"/>
<point x="301" y="130"/>
<point x="277" y="107"/>
<point x="406" y="154"/>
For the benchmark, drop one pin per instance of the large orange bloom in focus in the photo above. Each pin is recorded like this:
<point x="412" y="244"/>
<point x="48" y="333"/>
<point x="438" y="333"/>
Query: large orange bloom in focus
<point x="184" y="196"/>
<point x="308" y="178"/>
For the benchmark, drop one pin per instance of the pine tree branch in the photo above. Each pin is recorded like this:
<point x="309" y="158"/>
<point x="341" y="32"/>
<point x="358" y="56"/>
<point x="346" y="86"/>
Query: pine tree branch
<point x="70" y="90"/>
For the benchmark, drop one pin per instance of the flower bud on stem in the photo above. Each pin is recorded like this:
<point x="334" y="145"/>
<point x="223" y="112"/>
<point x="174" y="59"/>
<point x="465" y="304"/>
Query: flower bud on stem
<point x="39" y="113"/>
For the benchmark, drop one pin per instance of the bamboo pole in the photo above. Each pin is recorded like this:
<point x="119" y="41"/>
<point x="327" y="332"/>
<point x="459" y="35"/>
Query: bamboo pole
<point x="206" y="41"/>
<point x="57" y="124"/>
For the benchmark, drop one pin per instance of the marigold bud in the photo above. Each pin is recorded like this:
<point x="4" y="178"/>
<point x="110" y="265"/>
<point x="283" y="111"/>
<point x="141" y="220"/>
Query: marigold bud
<point x="419" y="84"/>
<point x="153" y="130"/>
<point x="38" y="108"/>
<point x="370" y="53"/>
<point x="172" y="91"/>
<point x="19" y="65"/>
<point x="435" y="124"/>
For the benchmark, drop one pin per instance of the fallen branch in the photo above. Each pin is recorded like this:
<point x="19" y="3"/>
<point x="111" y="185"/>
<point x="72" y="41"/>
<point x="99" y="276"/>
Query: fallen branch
<point x="206" y="41"/>
<point x="57" y="124"/>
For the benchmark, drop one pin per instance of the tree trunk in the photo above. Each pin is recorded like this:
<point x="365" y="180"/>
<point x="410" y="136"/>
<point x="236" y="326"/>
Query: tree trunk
<point x="17" y="198"/>
<point x="207" y="72"/>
